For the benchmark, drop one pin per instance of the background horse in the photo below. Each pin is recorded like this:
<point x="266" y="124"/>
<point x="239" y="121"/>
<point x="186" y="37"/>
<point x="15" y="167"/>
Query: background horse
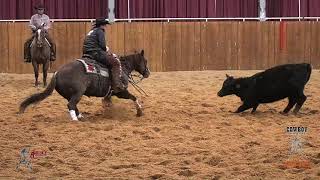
<point x="40" y="54"/>
<point x="71" y="81"/>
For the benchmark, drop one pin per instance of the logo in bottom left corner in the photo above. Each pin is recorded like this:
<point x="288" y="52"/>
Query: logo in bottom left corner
<point x="26" y="156"/>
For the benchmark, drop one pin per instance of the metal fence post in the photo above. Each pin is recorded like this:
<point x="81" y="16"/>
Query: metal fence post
<point x="111" y="11"/>
<point x="129" y="10"/>
<point x="262" y="10"/>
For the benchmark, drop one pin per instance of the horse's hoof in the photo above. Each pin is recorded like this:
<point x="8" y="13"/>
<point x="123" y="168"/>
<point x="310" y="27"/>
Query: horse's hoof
<point x="296" y="113"/>
<point x="106" y="104"/>
<point x="80" y="116"/>
<point x="139" y="113"/>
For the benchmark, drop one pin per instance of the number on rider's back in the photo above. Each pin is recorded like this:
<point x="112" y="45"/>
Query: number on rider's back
<point x="90" y="32"/>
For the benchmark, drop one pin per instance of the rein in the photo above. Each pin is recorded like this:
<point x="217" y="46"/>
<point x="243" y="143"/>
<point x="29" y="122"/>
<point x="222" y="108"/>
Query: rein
<point x="135" y="75"/>
<point x="135" y="84"/>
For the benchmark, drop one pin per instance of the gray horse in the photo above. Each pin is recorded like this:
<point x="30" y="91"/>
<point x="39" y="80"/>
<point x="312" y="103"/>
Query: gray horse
<point x="40" y="54"/>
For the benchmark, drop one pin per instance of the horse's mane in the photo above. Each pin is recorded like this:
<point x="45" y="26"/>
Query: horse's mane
<point x="127" y="57"/>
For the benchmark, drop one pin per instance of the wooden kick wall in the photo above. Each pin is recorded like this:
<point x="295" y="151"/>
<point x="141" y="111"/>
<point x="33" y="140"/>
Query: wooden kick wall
<point x="176" y="46"/>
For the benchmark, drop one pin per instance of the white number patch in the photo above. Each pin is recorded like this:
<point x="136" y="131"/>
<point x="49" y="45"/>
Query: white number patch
<point x="90" y="32"/>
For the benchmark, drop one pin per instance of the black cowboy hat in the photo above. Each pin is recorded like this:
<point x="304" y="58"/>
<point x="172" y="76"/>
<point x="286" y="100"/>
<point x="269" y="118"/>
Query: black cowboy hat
<point x="100" y="22"/>
<point x="39" y="6"/>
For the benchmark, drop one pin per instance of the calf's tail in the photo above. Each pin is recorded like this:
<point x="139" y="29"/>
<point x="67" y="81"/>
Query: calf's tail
<point x="309" y="70"/>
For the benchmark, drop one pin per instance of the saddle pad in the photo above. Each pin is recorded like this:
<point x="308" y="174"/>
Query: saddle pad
<point x="94" y="68"/>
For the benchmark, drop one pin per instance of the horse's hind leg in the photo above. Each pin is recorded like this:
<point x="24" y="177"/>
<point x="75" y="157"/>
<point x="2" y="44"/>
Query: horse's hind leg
<point x="45" y="73"/>
<point x="36" y="72"/>
<point x="72" y="106"/>
<point x="127" y="95"/>
<point x="79" y="115"/>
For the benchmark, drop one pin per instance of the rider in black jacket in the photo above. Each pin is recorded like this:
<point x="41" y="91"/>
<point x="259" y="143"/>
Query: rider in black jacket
<point x="95" y="46"/>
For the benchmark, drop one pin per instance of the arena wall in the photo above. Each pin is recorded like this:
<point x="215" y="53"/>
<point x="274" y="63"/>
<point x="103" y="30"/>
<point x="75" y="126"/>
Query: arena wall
<point x="179" y="46"/>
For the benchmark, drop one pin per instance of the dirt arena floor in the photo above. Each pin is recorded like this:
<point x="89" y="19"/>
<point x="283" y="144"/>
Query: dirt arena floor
<point x="187" y="132"/>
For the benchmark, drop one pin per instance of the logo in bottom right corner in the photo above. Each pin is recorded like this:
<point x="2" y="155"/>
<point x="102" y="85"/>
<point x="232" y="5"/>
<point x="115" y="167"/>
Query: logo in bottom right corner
<point x="297" y="159"/>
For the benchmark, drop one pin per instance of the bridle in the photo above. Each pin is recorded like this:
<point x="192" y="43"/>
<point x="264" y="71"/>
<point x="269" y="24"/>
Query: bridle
<point x="141" y="76"/>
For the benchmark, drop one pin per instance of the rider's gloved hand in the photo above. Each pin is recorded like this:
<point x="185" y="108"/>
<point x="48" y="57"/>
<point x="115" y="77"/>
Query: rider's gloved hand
<point x="33" y="28"/>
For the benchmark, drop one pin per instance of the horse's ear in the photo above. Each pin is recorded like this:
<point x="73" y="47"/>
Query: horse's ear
<point x="142" y="52"/>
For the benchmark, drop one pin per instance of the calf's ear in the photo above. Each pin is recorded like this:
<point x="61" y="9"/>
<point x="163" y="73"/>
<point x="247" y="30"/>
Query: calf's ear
<point x="228" y="76"/>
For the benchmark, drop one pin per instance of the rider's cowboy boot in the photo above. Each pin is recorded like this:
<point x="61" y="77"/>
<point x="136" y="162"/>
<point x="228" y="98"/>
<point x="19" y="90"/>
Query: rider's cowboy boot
<point x="52" y="56"/>
<point x="27" y="55"/>
<point x="53" y="52"/>
<point x="52" y="47"/>
<point x="117" y="84"/>
<point x="27" y="60"/>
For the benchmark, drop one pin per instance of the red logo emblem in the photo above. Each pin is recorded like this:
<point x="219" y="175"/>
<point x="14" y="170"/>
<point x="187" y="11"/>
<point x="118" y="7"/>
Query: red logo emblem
<point x="90" y="68"/>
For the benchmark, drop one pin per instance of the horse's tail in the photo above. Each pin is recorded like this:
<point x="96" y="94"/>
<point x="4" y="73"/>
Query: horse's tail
<point x="39" y="96"/>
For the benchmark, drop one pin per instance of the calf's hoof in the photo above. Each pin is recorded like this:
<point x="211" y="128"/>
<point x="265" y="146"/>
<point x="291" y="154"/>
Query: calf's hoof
<point x="284" y="113"/>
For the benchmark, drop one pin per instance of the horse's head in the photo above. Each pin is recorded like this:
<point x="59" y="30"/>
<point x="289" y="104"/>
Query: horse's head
<point x="141" y="64"/>
<point x="40" y="37"/>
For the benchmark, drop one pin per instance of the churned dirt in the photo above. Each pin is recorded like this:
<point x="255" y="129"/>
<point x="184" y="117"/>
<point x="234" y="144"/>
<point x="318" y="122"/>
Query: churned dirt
<point x="187" y="132"/>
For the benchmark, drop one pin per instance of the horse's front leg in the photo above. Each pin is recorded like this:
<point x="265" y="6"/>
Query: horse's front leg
<point x="36" y="73"/>
<point x="127" y="95"/>
<point x="138" y="107"/>
<point x="106" y="101"/>
<point x="45" y="72"/>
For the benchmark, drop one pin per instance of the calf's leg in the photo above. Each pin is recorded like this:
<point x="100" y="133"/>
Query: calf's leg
<point x="254" y="108"/>
<point x="292" y="102"/>
<point x="244" y="107"/>
<point x="300" y="100"/>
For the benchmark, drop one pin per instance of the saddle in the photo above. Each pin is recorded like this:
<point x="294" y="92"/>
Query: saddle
<point x="47" y="41"/>
<point x="93" y="67"/>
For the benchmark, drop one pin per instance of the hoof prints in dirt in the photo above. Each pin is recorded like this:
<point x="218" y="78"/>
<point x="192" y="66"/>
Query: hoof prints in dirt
<point x="183" y="135"/>
<point x="187" y="173"/>
<point x="156" y="176"/>
<point x="125" y="166"/>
